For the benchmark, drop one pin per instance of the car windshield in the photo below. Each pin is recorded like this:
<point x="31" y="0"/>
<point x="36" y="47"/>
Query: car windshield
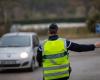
<point x="15" y="41"/>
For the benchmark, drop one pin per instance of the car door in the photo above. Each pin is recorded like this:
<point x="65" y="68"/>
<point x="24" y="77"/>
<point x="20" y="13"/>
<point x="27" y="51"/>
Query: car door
<point x="35" y="43"/>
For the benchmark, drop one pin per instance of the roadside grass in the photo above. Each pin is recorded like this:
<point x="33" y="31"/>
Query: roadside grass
<point x="71" y="33"/>
<point x="80" y="32"/>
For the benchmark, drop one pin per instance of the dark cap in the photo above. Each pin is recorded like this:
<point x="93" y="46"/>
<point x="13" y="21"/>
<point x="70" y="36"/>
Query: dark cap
<point x="53" y="26"/>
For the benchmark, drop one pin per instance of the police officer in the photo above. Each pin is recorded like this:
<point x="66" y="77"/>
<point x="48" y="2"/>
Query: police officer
<point x="55" y="56"/>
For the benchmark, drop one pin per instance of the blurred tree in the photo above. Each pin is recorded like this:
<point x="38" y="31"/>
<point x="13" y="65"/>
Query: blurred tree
<point x="94" y="17"/>
<point x="6" y="11"/>
<point x="7" y="8"/>
<point x="87" y="5"/>
<point x="96" y="3"/>
<point x="45" y="9"/>
<point x="92" y="20"/>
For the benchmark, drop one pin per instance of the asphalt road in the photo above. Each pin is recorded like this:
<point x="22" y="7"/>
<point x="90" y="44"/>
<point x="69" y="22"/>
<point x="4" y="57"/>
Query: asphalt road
<point x="85" y="66"/>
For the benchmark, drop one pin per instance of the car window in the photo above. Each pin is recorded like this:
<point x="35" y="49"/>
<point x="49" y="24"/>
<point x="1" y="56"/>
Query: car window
<point x="15" y="41"/>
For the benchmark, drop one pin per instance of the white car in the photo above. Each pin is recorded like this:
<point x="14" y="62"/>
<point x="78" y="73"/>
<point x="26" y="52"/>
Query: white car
<point x="18" y="50"/>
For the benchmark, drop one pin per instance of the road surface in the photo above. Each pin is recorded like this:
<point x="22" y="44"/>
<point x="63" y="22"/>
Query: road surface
<point x="85" y="66"/>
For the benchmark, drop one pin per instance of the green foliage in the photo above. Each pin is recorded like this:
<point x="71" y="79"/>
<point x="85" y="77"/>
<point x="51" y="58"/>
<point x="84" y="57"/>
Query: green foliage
<point x="20" y="10"/>
<point x="70" y="20"/>
<point x="95" y="16"/>
<point x="96" y="3"/>
<point x="91" y="22"/>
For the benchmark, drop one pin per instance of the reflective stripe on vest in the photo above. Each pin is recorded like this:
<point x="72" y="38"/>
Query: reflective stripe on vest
<point x="55" y="59"/>
<point x="54" y="56"/>
<point x="56" y="67"/>
<point x="56" y="74"/>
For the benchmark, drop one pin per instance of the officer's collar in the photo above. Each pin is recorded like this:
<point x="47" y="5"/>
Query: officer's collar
<point x="53" y="37"/>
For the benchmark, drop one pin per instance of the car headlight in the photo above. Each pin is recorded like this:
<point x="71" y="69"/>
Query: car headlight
<point x="24" y="55"/>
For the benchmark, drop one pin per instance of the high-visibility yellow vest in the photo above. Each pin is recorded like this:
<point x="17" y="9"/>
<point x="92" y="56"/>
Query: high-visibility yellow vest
<point x="55" y="59"/>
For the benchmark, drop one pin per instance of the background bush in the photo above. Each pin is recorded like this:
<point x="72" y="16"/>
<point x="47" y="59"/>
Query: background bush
<point x="92" y="20"/>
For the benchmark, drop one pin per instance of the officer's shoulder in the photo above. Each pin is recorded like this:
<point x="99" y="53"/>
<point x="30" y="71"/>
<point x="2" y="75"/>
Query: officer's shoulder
<point x="66" y="40"/>
<point x="63" y="39"/>
<point x="44" y="41"/>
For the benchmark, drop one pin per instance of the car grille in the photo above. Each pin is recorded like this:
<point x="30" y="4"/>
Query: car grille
<point x="10" y="65"/>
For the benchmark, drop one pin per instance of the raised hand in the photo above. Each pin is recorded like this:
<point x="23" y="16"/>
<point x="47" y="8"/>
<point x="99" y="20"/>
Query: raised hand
<point x="97" y="44"/>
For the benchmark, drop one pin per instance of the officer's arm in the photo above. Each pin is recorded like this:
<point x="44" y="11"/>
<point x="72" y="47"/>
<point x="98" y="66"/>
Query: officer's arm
<point x="81" y="47"/>
<point x="39" y="49"/>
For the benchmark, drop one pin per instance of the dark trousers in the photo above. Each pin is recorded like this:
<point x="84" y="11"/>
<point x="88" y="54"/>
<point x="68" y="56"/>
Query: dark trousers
<point x="62" y="78"/>
<point x="65" y="78"/>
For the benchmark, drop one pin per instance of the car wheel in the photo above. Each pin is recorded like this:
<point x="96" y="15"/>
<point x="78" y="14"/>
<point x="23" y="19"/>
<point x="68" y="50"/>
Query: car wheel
<point x="32" y="67"/>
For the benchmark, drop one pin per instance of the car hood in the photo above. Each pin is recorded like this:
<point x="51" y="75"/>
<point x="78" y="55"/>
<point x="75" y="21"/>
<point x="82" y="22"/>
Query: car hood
<point x="12" y="53"/>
